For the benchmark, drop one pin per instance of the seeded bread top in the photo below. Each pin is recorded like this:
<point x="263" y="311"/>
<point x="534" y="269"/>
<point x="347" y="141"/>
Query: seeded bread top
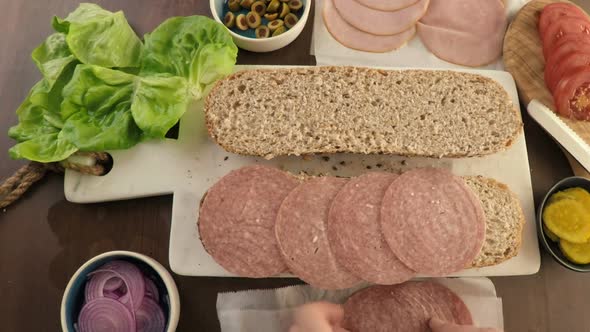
<point x="308" y="110"/>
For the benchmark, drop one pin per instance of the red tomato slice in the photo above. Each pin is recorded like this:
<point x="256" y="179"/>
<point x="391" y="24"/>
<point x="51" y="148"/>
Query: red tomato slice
<point x="569" y="63"/>
<point x="567" y="44"/>
<point x="555" y="11"/>
<point x="576" y="27"/>
<point x="572" y="95"/>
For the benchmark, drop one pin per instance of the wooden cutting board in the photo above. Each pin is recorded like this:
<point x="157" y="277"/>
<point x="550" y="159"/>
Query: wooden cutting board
<point x="523" y="58"/>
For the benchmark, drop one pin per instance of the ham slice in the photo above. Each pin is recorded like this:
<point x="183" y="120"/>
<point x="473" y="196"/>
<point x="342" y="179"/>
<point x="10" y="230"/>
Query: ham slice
<point x="480" y="18"/>
<point x="464" y="32"/>
<point x="461" y="48"/>
<point x="356" y="39"/>
<point x="387" y="5"/>
<point x="379" y="22"/>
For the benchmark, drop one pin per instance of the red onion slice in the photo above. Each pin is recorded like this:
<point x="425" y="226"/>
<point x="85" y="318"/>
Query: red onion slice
<point x="132" y="278"/>
<point x="150" y="317"/>
<point x="113" y="284"/>
<point x="95" y="286"/>
<point x="151" y="290"/>
<point x="104" y="314"/>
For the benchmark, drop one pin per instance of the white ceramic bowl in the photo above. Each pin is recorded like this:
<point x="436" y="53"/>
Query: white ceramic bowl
<point x="266" y="44"/>
<point x="73" y="295"/>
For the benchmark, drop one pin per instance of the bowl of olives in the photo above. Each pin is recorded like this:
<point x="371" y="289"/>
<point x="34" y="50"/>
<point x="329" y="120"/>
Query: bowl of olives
<point x="262" y="25"/>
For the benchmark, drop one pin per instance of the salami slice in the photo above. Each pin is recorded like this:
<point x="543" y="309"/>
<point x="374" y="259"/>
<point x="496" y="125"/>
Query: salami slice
<point x="432" y="221"/>
<point x="354" y="231"/>
<point x="404" y="307"/>
<point x="237" y="219"/>
<point x="301" y="231"/>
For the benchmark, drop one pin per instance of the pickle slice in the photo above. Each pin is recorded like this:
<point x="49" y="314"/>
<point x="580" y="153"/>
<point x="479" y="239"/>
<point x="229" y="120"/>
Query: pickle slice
<point x="568" y="219"/>
<point x="576" y="252"/>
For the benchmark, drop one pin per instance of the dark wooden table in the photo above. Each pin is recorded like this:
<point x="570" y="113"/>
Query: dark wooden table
<point x="44" y="238"/>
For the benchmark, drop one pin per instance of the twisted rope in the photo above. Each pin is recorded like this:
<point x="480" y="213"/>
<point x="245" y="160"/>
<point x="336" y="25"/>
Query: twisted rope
<point x="17" y="185"/>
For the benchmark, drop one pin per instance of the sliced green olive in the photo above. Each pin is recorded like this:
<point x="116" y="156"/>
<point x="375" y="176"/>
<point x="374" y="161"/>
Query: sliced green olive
<point x="295" y="5"/>
<point x="241" y="22"/>
<point x="279" y="31"/>
<point x="253" y="20"/>
<point x="259" y="8"/>
<point x="246" y="3"/>
<point x="271" y="17"/>
<point x="290" y="20"/>
<point x="229" y="20"/>
<point x="284" y="0"/>
<point x="234" y="5"/>
<point x="262" y="32"/>
<point x="284" y="10"/>
<point x="273" y="6"/>
<point x="275" y="24"/>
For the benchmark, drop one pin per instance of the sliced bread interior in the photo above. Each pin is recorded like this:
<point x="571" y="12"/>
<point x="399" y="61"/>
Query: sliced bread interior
<point x="275" y="112"/>
<point x="504" y="221"/>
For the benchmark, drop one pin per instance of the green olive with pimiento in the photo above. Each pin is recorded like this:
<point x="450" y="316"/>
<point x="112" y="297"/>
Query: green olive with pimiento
<point x="284" y="10"/>
<point x="290" y="20"/>
<point x="234" y="5"/>
<point x="279" y="31"/>
<point x="262" y="32"/>
<point x="273" y="6"/>
<point x="229" y="20"/>
<point x="241" y="22"/>
<point x="271" y="17"/>
<point x="259" y="8"/>
<point x="275" y="24"/>
<point x="246" y="3"/>
<point x="295" y="5"/>
<point x="253" y="20"/>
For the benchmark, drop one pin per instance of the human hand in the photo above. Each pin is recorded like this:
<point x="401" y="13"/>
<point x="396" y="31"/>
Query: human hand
<point x="318" y="317"/>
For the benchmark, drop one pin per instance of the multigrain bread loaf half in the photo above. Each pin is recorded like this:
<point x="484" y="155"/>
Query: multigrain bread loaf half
<point x="305" y="110"/>
<point x="504" y="221"/>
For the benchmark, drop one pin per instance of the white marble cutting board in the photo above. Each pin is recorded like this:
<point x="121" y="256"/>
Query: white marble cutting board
<point x="187" y="167"/>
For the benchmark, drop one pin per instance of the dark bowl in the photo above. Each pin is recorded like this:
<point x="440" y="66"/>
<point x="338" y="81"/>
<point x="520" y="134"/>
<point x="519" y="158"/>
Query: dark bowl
<point x="548" y="244"/>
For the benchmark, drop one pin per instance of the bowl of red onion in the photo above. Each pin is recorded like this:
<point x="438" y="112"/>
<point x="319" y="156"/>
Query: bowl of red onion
<point x="120" y="291"/>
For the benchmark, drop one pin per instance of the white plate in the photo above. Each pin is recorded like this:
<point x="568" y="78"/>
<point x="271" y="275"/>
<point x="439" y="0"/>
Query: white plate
<point x="188" y="166"/>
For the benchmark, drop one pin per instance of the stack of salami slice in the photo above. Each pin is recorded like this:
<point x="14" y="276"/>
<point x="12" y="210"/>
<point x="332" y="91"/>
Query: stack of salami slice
<point x="565" y="33"/>
<point x="373" y="25"/>
<point x="334" y="233"/>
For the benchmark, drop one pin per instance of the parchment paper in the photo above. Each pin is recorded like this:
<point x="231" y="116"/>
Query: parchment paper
<point x="272" y="310"/>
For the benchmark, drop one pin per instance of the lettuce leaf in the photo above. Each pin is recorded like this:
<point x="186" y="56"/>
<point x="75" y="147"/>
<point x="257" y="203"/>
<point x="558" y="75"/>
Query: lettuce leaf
<point x="108" y="109"/>
<point x="38" y="131"/>
<point x="195" y="47"/>
<point x="99" y="37"/>
<point x="53" y="57"/>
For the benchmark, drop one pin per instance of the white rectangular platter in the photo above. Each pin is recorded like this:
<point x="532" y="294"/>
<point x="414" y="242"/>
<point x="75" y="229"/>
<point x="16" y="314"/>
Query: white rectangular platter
<point x="188" y="166"/>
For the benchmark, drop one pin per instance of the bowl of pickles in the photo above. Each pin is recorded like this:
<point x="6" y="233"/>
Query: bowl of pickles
<point x="564" y="223"/>
<point x="262" y="25"/>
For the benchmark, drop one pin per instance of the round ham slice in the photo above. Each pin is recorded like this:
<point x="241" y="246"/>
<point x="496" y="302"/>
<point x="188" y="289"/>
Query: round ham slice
<point x="432" y="221"/>
<point x="354" y="231"/>
<point x="387" y="5"/>
<point x="351" y="37"/>
<point x="404" y="307"/>
<point x="379" y="22"/>
<point x="237" y="219"/>
<point x="480" y="18"/>
<point x="301" y="231"/>
<point x="461" y="48"/>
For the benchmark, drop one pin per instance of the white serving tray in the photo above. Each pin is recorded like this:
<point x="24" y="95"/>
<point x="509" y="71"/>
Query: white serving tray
<point x="187" y="167"/>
